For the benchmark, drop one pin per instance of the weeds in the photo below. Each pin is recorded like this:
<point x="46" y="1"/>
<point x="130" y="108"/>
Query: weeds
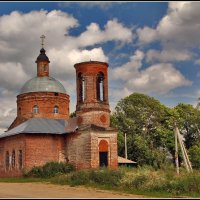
<point x="50" y="169"/>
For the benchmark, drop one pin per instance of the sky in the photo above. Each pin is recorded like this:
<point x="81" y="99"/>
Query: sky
<point x="151" y="48"/>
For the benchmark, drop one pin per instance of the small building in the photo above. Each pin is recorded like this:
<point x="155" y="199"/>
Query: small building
<point x="126" y="162"/>
<point x="44" y="132"/>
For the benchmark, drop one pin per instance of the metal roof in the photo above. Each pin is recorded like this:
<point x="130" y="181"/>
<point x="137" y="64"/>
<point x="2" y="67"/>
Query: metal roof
<point x="41" y="125"/>
<point x="43" y="84"/>
<point x="124" y="160"/>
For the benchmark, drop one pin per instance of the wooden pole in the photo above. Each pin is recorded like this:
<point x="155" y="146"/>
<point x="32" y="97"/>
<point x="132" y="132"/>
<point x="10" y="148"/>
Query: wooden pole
<point x="184" y="153"/>
<point x="186" y="156"/>
<point x="176" y="152"/>
<point x="125" y="146"/>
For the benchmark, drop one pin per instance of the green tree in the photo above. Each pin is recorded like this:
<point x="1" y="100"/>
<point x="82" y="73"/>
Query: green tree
<point x="194" y="153"/>
<point x="146" y="122"/>
<point x="189" y="123"/>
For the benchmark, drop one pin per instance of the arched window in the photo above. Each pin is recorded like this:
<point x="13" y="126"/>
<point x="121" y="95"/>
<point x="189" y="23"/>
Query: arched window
<point x="100" y="86"/>
<point x="45" y="67"/>
<point x="103" y="153"/>
<point x="81" y="83"/>
<point x="35" y="109"/>
<point x="13" y="158"/>
<point x="19" y="110"/>
<point x="20" y="159"/>
<point x="7" y="160"/>
<point x="56" y="109"/>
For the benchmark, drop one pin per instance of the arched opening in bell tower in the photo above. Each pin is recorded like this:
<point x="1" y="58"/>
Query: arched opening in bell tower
<point x="81" y="82"/>
<point x="100" y="86"/>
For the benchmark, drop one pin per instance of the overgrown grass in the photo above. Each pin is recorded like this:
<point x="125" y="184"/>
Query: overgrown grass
<point x="50" y="169"/>
<point x="141" y="180"/>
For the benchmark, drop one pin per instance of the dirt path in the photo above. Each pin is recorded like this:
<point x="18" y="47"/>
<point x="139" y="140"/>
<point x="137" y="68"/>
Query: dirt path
<point x="41" y="190"/>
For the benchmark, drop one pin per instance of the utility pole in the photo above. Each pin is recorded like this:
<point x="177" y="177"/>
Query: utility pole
<point x="183" y="150"/>
<point x="125" y="146"/>
<point x="176" y="150"/>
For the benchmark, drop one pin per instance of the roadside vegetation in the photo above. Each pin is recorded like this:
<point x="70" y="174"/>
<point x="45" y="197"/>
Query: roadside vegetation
<point x="143" y="180"/>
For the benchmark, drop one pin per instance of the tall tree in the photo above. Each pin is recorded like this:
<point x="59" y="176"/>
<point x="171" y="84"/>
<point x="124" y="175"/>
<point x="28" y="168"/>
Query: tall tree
<point x="145" y="121"/>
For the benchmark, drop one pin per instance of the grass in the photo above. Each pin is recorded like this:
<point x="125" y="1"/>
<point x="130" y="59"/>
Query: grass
<point x="141" y="181"/>
<point x="21" y="180"/>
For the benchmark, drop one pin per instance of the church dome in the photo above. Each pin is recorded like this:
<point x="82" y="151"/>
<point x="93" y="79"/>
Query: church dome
<point x="43" y="84"/>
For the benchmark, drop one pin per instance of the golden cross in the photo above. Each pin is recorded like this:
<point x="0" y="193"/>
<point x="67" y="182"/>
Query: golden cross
<point x="42" y="40"/>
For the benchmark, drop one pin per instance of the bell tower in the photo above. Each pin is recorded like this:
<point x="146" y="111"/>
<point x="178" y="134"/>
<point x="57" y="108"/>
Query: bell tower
<point x="92" y="93"/>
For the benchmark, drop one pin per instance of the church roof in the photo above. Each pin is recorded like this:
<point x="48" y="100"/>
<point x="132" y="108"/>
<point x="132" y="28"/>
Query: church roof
<point x="41" y="125"/>
<point x="42" y="56"/>
<point x="43" y="84"/>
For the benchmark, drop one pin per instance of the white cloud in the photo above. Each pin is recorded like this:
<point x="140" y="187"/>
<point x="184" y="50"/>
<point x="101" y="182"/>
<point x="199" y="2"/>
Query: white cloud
<point x="114" y="31"/>
<point x="129" y="69"/>
<point x="179" y="28"/>
<point x="146" y="35"/>
<point x="168" y="55"/>
<point x="159" y="78"/>
<point x="12" y="76"/>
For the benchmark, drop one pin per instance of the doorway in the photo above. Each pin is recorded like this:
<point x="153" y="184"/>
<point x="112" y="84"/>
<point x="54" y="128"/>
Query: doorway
<point x="103" y="153"/>
<point x="103" y="159"/>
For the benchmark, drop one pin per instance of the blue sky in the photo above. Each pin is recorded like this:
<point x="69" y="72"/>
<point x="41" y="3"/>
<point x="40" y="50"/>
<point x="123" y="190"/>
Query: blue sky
<point x="151" y="47"/>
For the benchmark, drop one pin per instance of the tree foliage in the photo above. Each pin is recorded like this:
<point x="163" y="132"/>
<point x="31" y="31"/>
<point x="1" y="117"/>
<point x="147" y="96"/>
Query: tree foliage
<point x="149" y="126"/>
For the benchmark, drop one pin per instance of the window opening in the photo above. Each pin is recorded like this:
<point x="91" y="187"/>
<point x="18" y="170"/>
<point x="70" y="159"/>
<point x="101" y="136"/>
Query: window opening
<point x="7" y="160"/>
<point x="20" y="110"/>
<point x="56" y="109"/>
<point x="13" y="158"/>
<point x="100" y="86"/>
<point x="20" y="159"/>
<point x="82" y="94"/>
<point x="35" y="109"/>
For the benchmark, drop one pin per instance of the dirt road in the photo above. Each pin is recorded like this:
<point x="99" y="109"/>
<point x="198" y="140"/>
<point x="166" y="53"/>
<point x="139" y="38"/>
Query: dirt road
<point x="46" y="190"/>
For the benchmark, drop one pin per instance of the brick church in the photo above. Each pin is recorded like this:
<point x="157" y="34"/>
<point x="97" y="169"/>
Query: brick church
<point x="43" y="130"/>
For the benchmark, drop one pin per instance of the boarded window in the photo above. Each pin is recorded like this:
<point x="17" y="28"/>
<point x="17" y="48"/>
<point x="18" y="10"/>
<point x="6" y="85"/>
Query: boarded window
<point x="13" y="158"/>
<point x="7" y="160"/>
<point x="20" y="159"/>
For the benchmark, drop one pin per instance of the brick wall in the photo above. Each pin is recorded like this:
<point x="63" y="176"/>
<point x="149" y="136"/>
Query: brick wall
<point x="78" y="149"/>
<point x="46" y="101"/>
<point x="9" y="144"/>
<point x="37" y="149"/>
<point x="92" y="110"/>
<point x="42" y="148"/>
<point x="111" y="138"/>
<point x="43" y="68"/>
<point x="83" y="148"/>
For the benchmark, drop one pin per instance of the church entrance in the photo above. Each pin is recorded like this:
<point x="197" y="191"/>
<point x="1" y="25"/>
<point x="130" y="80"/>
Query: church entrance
<point x="103" y="153"/>
<point x="103" y="159"/>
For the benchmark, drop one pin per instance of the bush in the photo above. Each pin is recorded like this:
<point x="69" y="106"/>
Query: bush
<point x="106" y="177"/>
<point x="101" y="177"/>
<point x="194" y="153"/>
<point x="50" y="169"/>
<point x="139" y="181"/>
<point x="79" y="178"/>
